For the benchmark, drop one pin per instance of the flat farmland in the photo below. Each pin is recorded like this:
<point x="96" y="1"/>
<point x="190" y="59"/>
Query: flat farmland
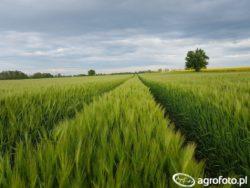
<point x="124" y="130"/>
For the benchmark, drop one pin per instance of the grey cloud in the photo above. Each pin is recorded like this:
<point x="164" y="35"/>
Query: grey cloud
<point x="200" y="18"/>
<point x="33" y="52"/>
<point x="74" y="35"/>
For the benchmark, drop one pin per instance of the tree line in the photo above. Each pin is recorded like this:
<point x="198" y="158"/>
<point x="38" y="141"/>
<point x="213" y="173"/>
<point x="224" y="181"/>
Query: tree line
<point x="14" y="75"/>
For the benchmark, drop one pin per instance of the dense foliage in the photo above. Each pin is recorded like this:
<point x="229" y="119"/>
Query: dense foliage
<point x="10" y="75"/>
<point x="196" y="60"/>
<point x="91" y="72"/>
<point x="42" y="75"/>
<point x="17" y="75"/>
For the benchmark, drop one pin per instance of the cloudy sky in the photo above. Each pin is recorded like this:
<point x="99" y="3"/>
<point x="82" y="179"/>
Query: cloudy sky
<point x="72" y="36"/>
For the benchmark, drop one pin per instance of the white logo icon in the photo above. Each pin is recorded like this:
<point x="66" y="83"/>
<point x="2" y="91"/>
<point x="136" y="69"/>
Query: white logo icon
<point x="183" y="180"/>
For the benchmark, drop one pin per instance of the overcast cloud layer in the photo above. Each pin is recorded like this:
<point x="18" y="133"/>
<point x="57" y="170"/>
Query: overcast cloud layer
<point x="72" y="36"/>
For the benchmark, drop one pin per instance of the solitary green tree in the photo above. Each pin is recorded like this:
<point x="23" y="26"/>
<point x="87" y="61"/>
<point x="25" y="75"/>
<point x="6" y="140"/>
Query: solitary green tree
<point x="91" y="72"/>
<point x="196" y="60"/>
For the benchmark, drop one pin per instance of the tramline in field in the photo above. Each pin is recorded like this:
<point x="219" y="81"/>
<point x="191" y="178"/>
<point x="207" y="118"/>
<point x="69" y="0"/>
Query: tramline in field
<point x="120" y="139"/>
<point x="115" y="131"/>
<point x="212" y="109"/>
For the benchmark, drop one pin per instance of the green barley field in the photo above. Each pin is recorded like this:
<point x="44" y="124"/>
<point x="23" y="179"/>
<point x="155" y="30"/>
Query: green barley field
<point x="124" y="130"/>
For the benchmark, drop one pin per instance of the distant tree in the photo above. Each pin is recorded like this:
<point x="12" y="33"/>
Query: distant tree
<point x="91" y="72"/>
<point x="10" y="75"/>
<point x="196" y="60"/>
<point x="59" y="75"/>
<point x="42" y="75"/>
<point x="159" y="70"/>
